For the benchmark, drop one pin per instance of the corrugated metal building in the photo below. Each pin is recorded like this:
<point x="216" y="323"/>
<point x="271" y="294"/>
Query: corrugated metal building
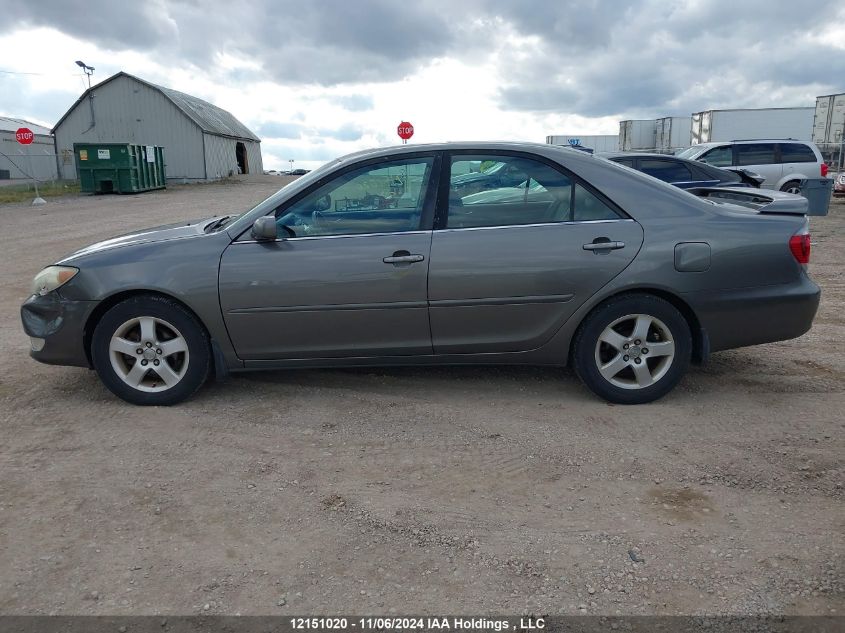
<point x="22" y="161"/>
<point x="200" y="140"/>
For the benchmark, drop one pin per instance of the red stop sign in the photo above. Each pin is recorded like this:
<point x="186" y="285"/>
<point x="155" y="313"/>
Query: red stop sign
<point x="24" y="135"/>
<point x="405" y="130"/>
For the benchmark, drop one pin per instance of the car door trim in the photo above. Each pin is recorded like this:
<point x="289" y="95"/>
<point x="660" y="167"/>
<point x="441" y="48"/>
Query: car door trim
<point x="520" y="226"/>
<point x="328" y="237"/>
<point x="331" y="307"/>
<point x="500" y="301"/>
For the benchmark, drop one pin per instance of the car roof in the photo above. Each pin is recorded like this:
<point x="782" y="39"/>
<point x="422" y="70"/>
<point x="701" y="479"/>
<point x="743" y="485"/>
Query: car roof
<point x="611" y="155"/>
<point x="753" y="140"/>
<point x="481" y="146"/>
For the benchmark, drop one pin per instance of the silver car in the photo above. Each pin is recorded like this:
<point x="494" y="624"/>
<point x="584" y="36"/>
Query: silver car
<point x="783" y="163"/>
<point x="470" y="253"/>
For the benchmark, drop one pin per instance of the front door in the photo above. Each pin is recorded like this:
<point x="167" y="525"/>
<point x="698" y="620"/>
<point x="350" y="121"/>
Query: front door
<point x="514" y="261"/>
<point x="347" y="276"/>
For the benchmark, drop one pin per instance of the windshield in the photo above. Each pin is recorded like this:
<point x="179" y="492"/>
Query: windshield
<point x="689" y="152"/>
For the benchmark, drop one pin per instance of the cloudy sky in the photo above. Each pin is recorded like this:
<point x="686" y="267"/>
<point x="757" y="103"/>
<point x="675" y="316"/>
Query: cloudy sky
<point x="317" y="79"/>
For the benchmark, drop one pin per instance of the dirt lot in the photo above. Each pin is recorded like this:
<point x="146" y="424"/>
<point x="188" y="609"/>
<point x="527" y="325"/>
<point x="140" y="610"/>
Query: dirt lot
<point x="494" y="490"/>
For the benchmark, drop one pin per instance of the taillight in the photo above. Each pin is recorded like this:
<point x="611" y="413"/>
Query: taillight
<point x="800" y="247"/>
<point x="824" y="170"/>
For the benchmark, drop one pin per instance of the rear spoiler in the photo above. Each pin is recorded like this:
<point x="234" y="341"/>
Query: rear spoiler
<point x="762" y="201"/>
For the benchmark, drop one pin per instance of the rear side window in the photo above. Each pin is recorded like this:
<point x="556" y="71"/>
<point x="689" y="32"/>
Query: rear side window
<point x="756" y="154"/>
<point x="628" y="162"/>
<point x="796" y="153"/>
<point x="586" y="206"/>
<point x="718" y="156"/>
<point x="493" y="190"/>
<point x="665" y="170"/>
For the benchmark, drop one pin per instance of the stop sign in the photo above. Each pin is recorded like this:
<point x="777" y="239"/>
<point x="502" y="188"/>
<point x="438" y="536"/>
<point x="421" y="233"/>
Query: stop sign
<point x="405" y="130"/>
<point x="24" y="135"/>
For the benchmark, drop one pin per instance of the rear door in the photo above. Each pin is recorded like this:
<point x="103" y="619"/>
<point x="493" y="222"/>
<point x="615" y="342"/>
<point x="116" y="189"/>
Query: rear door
<point x="509" y="265"/>
<point x="762" y="159"/>
<point x="798" y="159"/>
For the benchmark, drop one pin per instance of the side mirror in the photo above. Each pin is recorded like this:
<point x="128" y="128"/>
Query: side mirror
<point x="323" y="203"/>
<point x="264" y="228"/>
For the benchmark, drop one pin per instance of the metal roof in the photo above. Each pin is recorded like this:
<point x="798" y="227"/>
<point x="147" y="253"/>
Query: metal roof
<point x="9" y="124"/>
<point x="207" y="116"/>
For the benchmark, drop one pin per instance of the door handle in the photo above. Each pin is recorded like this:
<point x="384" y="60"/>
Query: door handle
<point x="604" y="245"/>
<point x="403" y="257"/>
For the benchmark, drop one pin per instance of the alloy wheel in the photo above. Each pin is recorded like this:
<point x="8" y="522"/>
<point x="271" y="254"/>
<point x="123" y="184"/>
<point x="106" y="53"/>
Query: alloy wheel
<point x="149" y="354"/>
<point x="634" y="351"/>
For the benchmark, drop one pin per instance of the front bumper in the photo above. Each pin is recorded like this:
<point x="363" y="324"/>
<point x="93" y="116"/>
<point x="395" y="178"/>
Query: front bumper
<point x="762" y="314"/>
<point x="56" y="327"/>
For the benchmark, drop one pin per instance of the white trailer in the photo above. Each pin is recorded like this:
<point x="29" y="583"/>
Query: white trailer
<point x="595" y="142"/>
<point x="636" y="134"/>
<point x="672" y="133"/>
<point x="829" y="128"/>
<point x="732" y="125"/>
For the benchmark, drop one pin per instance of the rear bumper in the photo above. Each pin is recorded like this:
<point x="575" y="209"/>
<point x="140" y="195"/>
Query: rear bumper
<point x="751" y="316"/>
<point x="56" y="327"/>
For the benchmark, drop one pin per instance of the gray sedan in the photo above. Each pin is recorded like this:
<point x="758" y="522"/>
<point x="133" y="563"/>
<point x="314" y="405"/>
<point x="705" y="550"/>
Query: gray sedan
<point x="397" y="257"/>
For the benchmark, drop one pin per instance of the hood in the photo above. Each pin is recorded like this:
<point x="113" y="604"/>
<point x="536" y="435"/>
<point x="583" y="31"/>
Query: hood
<point x="163" y="233"/>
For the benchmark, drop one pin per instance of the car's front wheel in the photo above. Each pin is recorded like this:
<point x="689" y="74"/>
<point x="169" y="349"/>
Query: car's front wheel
<point x="632" y="349"/>
<point x="149" y="350"/>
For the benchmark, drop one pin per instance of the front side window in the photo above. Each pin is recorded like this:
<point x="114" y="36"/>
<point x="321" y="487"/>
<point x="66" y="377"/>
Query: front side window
<point x="665" y="170"/>
<point x="380" y="198"/>
<point x="718" y="156"/>
<point x="755" y="154"/>
<point x="513" y="190"/>
<point x="796" y="153"/>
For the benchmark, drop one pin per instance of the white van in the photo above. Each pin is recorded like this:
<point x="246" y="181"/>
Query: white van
<point x="782" y="162"/>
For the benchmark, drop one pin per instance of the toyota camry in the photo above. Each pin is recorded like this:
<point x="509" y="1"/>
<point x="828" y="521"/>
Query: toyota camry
<point x="460" y="253"/>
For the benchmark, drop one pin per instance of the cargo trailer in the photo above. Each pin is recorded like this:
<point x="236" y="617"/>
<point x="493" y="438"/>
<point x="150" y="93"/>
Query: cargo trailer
<point x="636" y="134"/>
<point x="829" y="128"/>
<point x="769" y="123"/>
<point x="671" y="133"/>
<point x="595" y="142"/>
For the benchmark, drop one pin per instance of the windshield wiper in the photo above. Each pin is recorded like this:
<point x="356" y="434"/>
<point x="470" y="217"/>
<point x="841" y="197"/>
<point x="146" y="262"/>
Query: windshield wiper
<point x="217" y="223"/>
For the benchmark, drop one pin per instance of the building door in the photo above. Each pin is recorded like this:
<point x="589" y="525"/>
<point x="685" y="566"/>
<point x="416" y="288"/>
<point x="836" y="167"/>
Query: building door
<point x="240" y="154"/>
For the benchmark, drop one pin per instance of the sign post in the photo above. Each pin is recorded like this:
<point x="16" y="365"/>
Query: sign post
<point x="24" y="136"/>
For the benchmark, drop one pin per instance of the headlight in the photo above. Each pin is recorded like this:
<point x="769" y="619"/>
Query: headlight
<point x="51" y="278"/>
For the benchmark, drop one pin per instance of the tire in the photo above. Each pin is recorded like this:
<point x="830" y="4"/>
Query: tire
<point x="793" y="186"/>
<point x="179" y="351"/>
<point x="610" y="370"/>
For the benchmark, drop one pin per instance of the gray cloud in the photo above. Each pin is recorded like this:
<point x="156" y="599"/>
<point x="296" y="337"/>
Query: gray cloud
<point x="346" y="132"/>
<point x="594" y="57"/>
<point x="649" y="59"/>
<point x="354" y="103"/>
<point x="112" y="25"/>
<point x="280" y="130"/>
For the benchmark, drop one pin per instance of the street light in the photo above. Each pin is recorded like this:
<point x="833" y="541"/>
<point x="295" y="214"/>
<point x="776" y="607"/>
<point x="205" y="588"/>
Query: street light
<point x="88" y="70"/>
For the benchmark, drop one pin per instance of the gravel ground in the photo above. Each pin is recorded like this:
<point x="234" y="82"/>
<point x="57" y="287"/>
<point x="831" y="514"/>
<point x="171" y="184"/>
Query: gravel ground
<point x="494" y="490"/>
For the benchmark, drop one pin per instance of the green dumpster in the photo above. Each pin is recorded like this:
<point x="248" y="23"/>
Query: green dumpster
<point x="119" y="167"/>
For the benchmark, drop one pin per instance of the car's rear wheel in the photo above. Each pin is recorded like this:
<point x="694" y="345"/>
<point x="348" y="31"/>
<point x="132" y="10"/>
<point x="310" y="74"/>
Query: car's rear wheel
<point x="149" y="350"/>
<point x="793" y="186"/>
<point x="632" y="349"/>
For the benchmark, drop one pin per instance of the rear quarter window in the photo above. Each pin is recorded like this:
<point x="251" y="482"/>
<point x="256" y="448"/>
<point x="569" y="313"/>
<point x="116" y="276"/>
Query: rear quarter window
<point x="796" y="153"/>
